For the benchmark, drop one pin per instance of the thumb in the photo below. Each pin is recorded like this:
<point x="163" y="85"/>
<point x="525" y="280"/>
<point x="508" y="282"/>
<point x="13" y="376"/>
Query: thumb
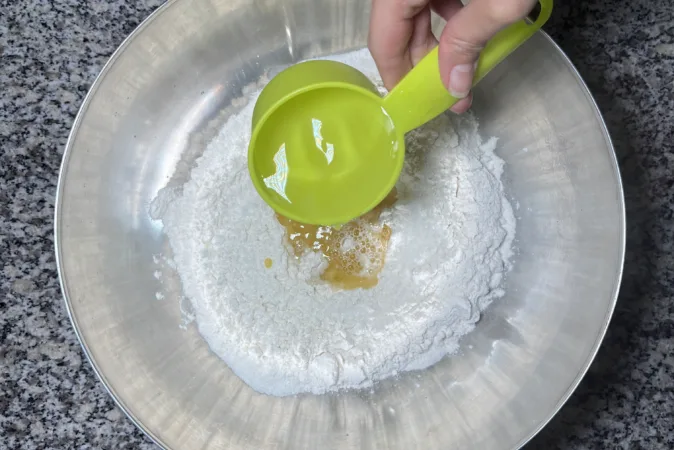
<point x="465" y="35"/>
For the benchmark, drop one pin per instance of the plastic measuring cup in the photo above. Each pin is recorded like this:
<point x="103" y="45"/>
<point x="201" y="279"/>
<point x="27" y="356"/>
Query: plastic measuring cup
<point x="326" y="147"/>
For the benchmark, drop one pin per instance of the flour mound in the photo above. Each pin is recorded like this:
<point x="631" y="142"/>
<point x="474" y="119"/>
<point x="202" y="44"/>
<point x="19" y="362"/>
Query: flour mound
<point x="282" y="330"/>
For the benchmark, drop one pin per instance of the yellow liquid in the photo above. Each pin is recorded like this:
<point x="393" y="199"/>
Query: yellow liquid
<point x="355" y="253"/>
<point x="328" y="151"/>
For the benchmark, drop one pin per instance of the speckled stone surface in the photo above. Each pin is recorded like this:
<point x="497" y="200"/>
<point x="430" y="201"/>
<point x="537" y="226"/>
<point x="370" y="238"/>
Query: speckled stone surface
<point x="51" y="51"/>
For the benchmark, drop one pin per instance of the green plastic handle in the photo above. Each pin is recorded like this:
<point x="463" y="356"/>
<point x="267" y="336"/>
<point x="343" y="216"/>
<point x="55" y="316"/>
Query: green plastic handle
<point x="421" y="95"/>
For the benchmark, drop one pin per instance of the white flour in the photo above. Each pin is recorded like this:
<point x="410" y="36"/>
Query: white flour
<point x="284" y="332"/>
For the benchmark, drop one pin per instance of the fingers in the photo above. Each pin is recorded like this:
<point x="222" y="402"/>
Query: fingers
<point x="422" y="40"/>
<point x="463" y="105"/>
<point x="465" y="35"/>
<point x="446" y="8"/>
<point x="400" y="35"/>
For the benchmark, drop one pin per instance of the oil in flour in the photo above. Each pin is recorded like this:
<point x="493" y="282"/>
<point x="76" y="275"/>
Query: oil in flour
<point x="355" y="253"/>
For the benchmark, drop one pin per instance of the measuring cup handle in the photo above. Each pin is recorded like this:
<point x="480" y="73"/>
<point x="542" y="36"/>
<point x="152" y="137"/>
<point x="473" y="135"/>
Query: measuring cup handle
<point x="421" y="95"/>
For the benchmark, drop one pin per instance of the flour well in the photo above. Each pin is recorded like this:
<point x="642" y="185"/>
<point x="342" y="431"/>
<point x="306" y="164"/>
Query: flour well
<point x="284" y="331"/>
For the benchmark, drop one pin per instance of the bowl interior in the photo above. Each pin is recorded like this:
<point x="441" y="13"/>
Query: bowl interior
<point x="151" y="114"/>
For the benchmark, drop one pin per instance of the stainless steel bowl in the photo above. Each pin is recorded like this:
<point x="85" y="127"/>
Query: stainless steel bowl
<point x="150" y="114"/>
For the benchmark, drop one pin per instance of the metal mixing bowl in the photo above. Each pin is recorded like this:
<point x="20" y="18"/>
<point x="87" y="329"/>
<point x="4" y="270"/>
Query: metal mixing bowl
<point x="153" y="110"/>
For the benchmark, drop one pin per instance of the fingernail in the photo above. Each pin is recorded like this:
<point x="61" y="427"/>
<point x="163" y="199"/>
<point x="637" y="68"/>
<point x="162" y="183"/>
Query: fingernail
<point x="461" y="80"/>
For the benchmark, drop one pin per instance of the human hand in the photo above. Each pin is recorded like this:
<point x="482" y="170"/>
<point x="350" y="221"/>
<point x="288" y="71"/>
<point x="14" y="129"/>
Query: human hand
<point x="400" y="36"/>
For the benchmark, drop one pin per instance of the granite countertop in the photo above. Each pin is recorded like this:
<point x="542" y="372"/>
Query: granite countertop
<point x="50" y="52"/>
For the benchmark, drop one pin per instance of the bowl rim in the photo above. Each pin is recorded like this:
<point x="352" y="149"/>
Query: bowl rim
<point x="65" y="291"/>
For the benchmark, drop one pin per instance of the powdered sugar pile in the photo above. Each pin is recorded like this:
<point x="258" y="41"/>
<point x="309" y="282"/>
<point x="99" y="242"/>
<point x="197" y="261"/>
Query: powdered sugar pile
<point x="283" y="331"/>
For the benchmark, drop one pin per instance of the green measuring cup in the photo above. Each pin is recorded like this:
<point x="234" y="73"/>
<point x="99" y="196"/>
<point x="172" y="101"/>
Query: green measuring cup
<point x="326" y="147"/>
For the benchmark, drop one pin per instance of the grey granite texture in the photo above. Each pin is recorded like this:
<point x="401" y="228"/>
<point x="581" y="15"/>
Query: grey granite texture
<point x="51" y="51"/>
